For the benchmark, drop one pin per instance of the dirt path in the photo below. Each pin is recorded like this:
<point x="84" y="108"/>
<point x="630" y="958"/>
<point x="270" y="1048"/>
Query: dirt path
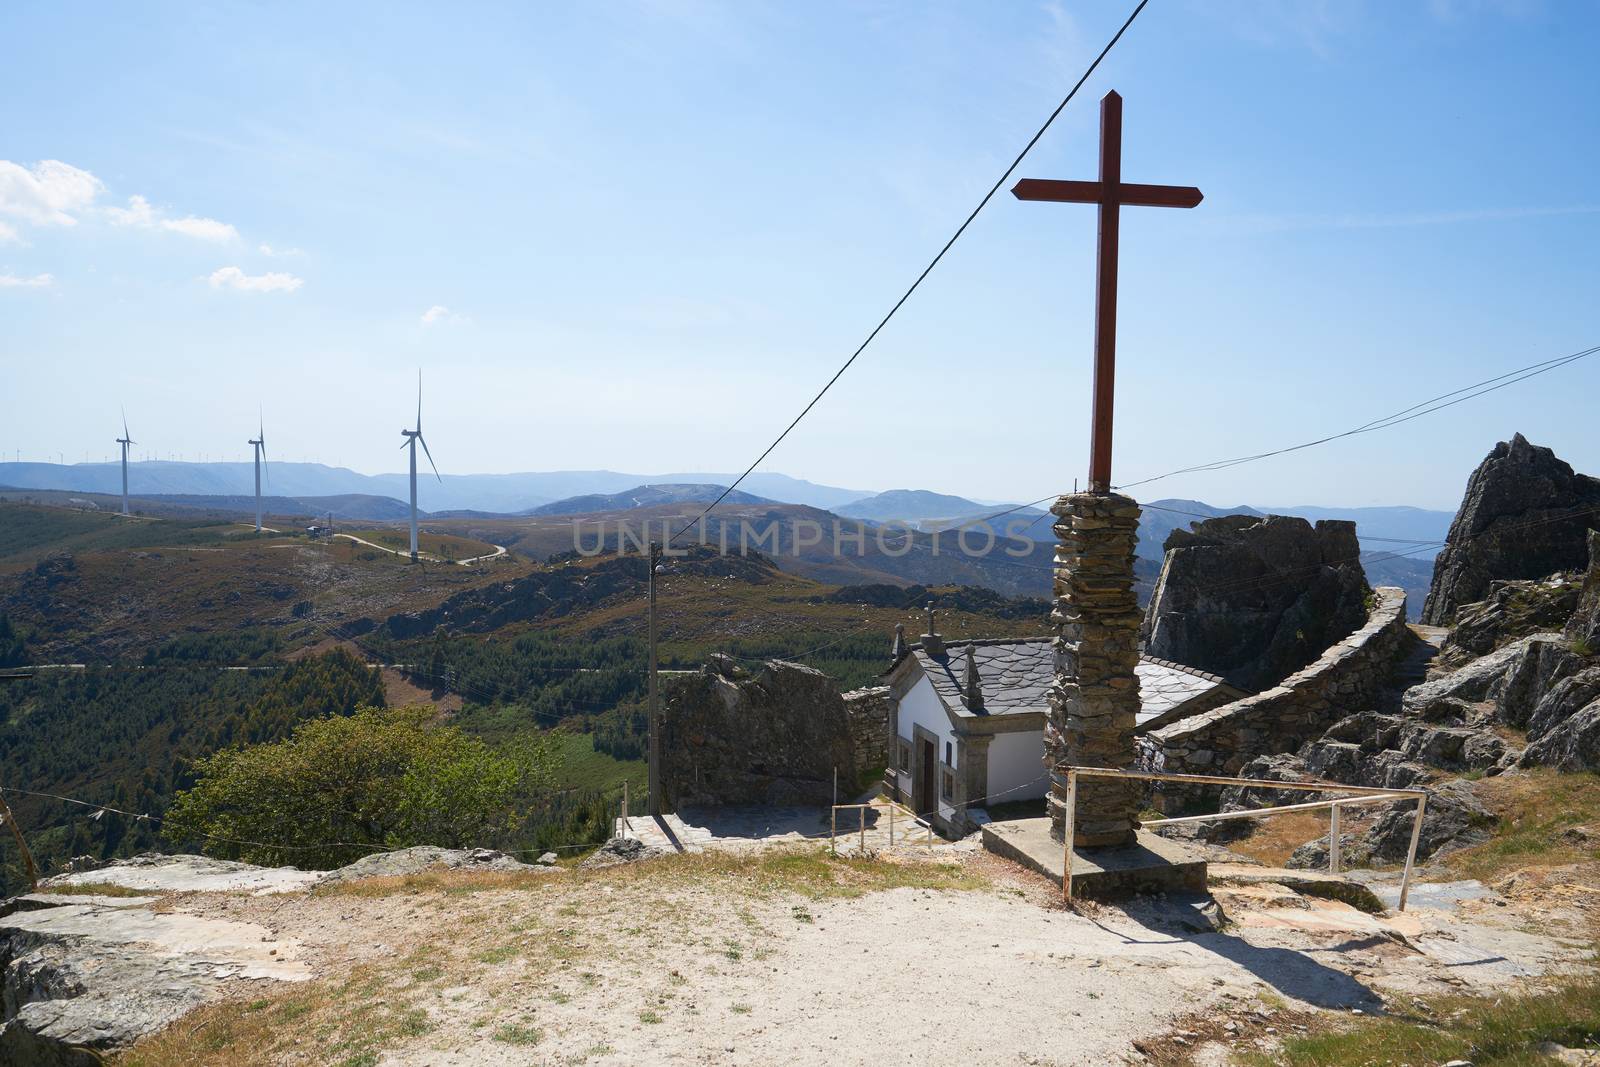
<point x="499" y="550"/>
<point x="720" y="959"/>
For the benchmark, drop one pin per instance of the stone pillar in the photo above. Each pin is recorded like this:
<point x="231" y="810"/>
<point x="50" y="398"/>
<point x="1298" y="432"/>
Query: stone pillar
<point x="1094" y="701"/>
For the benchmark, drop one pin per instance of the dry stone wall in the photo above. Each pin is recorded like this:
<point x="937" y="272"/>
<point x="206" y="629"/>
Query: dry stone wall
<point x="1345" y="679"/>
<point x="868" y="710"/>
<point x="773" y="737"/>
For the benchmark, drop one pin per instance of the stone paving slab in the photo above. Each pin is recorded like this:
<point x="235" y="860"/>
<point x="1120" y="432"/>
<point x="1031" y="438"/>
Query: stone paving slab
<point x="740" y="827"/>
<point x="1152" y="863"/>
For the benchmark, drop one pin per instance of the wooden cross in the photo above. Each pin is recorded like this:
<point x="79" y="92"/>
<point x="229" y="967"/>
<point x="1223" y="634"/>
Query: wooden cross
<point x="1110" y="192"/>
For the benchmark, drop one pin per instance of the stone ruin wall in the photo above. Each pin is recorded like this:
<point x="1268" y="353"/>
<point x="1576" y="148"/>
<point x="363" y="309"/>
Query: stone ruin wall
<point x="1346" y="679"/>
<point x="868" y="711"/>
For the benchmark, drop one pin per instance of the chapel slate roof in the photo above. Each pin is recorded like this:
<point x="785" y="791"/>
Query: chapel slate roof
<point x="1015" y="677"/>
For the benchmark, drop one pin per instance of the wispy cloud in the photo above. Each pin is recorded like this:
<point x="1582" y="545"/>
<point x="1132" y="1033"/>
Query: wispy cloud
<point x="38" y="281"/>
<point x="269" y="250"/>
<point x="51" y="193"/>
<point x="140" y="214"/>
<point x="439" y="314"/>
<point x="271" y="282"/>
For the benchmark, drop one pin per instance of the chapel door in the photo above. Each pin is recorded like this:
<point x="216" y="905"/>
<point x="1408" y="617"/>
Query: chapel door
<point x="928" y="802"/>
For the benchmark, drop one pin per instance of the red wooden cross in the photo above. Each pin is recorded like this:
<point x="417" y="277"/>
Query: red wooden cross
<point x="1110" y="192"/>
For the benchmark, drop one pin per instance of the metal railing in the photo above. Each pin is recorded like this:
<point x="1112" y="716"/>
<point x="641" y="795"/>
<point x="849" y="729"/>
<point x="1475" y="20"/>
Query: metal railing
<point x="1361" y="795"/>
<point x="833" y="825"/>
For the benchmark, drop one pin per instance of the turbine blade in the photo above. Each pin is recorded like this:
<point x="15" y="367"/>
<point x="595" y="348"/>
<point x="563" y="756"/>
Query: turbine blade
<point x="125" y="422"/>
<point x="419" y="403"/>
<point x="431" y="463"/>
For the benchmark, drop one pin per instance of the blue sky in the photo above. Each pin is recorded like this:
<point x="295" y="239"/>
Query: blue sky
<point x="652" y="230"/>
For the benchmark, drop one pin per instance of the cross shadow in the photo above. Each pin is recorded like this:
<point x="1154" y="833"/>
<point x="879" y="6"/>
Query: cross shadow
<point x="1292" y="972"/>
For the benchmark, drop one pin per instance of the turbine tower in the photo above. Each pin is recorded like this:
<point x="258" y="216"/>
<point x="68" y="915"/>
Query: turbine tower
<point x="259" y="443"/>
<point x="125" y="440"/>
<point x="412" y="437"/>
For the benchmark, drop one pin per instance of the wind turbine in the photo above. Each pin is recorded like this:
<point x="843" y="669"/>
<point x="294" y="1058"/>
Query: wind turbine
<point x="259" y="444"/>
<point x="412" y="437"/>
<point x="125" y="440"/>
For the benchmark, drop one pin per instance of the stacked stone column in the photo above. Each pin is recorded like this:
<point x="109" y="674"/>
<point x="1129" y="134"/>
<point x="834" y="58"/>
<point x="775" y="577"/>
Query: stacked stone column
<point x="1094" y="701"/>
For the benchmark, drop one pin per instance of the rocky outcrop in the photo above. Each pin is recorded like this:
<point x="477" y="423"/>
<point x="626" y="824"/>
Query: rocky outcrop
<point x="1511" y="610"/>
<point x="1255" y="599"/>
<point x="776" y="737"/>
<point x="421" y="858"/>
<point x="85" y="975"/>
<point x="618" y="851"/>
<point x="1573" y="745"/>
<point x="1583" y="628"/>
<point x="1453" y="819"/>
<point x="1526" y="515"/>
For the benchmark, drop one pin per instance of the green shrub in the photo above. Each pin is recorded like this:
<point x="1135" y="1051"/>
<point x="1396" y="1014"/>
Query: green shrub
<point x="341" y="787"/>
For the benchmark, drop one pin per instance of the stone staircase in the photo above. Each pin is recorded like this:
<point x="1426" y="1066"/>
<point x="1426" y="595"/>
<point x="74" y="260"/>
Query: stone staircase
<point x="1412" y="668"/>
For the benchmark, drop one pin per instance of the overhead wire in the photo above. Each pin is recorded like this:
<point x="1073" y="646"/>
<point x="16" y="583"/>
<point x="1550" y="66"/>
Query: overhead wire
<point x="1416" y="411"/>
<point x="982" y="203"/>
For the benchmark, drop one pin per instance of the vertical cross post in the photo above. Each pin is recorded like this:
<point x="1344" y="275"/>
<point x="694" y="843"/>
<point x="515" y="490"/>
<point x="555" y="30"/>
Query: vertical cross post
<point x="1105" y="293"/>
<point x="654" y="722"/>
<point x="1109" y="193"/>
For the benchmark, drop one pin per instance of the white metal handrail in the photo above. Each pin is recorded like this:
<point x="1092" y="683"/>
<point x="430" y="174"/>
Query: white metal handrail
<point x="1363" y="794"/>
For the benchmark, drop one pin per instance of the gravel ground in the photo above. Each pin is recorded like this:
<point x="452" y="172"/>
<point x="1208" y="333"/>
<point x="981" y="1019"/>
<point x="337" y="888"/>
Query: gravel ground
<point x="639" y="966"/>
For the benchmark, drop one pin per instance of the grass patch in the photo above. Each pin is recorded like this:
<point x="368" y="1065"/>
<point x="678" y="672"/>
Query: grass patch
<point x="1498" y="1032"/>
<point x="1536" y="808"/>
<point x="353" y="1019"/>
<point x="98" y="889"/>
<point x="448" y="882"/>
<point x="650" y="1017"/>
<point x="513" y="1034"/>
<point x="808" y="872"/>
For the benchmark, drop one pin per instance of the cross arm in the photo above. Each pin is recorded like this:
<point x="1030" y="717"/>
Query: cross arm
<point x="1071" y="192"/>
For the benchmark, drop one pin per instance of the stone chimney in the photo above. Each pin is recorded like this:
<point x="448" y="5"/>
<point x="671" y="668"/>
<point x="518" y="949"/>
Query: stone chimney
<point x="932" y="642"/>
<point x="897" y="651"/>
<point x="974" y="685"/>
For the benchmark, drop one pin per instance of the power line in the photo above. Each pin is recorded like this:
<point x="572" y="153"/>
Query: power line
<point x="1415" y="411"/>
<point x="993" y="189"/>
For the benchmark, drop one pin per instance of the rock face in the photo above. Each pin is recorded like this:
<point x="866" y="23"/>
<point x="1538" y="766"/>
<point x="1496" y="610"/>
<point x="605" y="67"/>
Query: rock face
<point x="1255" y="599"/>
<point x="728" y="737"/>
<point x="1583" y="628"/>
<point x="1511" y="610"/>
<point x="1454" y="818"/>
<point x="81" y="976"/>
<point x="421" y="858"/>
<point x="1526" y="515"/>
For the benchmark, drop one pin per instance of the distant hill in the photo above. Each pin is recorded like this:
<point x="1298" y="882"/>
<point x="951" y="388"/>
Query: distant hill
<point x="502" y="494"/>
<point x="644" y="496"/>
<point x="907" y="504"/>
<point x="347" y="506"/>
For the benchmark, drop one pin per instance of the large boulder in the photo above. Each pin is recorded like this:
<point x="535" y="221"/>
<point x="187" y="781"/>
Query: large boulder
<point x="1525" y="515"/>
<point x="1563" y="700"/>
<point x="1543" y="663"/>
<point x="1572" y="745"/>
<point x="1477" y="682"/>
<point x="776" y="737"/>
<point x="1255" y="598"/>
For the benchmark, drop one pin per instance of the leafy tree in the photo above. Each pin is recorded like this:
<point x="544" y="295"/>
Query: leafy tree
<point x="340" y="787"/>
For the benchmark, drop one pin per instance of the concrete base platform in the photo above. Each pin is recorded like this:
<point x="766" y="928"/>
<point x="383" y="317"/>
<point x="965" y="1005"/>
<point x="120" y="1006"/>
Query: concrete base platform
<point x="1150" y="864"/>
